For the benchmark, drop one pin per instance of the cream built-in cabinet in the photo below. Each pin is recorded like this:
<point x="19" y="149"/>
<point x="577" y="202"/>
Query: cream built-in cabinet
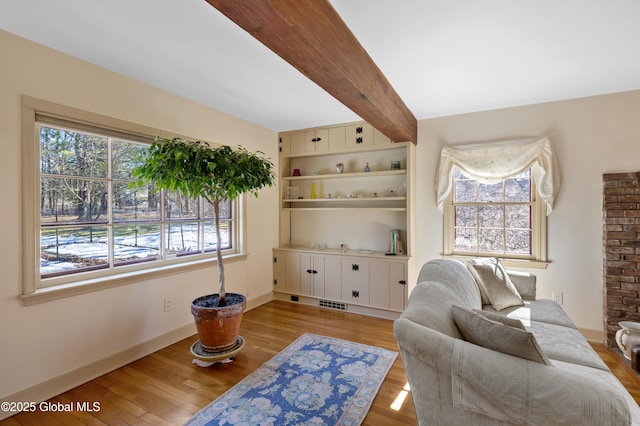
<point x="335" y="227"/>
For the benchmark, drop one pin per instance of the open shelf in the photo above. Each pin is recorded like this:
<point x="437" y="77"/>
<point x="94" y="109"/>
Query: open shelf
<point x="346" y="175"/>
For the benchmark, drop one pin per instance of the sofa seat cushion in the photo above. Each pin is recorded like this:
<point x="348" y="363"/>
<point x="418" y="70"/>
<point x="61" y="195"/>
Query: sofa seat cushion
<point x="565" y="344"/>
<point x="541" y="310"/>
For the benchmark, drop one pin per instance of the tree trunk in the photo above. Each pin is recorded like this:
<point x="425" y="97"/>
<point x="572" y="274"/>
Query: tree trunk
<point x="222" y="292"/>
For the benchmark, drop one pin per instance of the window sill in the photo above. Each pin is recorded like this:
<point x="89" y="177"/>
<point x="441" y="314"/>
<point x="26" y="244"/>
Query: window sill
<point x="88" y="286"/>
<point x="508" y="263"/>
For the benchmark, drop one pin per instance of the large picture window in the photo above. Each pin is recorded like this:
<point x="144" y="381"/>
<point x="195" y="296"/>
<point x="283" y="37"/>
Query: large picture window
<point x="91" y="219"/>
<point x="90" y="225"/>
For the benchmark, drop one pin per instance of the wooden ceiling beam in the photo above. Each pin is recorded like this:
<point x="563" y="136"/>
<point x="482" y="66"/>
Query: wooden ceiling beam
<point x="311" y="36"/>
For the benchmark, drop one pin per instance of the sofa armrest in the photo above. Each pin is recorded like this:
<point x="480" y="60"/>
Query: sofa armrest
<point x="455" y="382"/>
<point x="525" y="284"/>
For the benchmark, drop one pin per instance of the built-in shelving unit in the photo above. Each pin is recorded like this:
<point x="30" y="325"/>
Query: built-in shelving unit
<point x="335" y="222"/>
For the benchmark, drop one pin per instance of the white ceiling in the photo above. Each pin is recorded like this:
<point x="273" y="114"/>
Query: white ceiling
<point x="443" y="57"/>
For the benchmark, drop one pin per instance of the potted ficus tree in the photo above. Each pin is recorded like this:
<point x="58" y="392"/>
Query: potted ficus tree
<point x="217" y="174"/>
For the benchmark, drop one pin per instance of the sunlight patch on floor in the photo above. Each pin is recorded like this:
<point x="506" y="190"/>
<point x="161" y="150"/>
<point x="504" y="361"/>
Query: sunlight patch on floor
<point x="397" y="404"/>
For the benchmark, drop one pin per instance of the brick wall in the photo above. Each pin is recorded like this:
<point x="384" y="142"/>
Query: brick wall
<point x="621" y="242"/>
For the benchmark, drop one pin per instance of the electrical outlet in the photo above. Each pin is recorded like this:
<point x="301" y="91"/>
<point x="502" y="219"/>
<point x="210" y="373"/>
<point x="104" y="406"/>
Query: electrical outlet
<point x="557" y="297"/>
<point x="168" y="305"/>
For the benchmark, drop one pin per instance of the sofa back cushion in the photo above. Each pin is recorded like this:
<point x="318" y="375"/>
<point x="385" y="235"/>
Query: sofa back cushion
<point x="442" y="283"/>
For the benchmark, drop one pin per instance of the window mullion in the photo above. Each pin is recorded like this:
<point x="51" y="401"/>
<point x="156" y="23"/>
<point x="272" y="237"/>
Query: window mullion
<point x="504" y="218"/>
<point x="110" y="231"/>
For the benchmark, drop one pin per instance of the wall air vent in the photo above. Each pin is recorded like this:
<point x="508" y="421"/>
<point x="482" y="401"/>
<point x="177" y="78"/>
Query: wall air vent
<point x="332" y="305"/>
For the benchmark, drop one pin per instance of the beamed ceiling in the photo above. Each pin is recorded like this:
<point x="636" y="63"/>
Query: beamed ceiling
<point x="418" y="58"/>
<point x="313" y="38"/>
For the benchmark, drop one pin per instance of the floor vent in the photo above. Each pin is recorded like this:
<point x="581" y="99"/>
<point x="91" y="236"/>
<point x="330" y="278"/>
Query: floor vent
<point x="333" y="305"/>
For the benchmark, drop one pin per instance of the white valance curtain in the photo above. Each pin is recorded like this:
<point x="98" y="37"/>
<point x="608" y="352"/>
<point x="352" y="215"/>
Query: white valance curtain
<point x="493" y="161"/>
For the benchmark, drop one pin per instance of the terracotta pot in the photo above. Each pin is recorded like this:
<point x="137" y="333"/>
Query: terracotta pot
<point x="218" y="326"/>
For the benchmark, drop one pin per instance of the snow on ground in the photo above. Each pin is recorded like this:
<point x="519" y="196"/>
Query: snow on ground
<point x="141" y="246"/>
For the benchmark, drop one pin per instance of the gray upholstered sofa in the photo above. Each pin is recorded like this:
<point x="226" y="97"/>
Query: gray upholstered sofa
<point x="555" y="377"/>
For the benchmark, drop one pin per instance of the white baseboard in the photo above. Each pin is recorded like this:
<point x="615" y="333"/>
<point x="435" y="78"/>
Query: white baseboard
<point x="260" y="300"/>
<point x="64" y="382"/>
<point x="592" y="335"/>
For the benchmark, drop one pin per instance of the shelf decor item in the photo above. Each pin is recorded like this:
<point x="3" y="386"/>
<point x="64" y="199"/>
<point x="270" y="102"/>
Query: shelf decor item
<point x="366" y="168"/>
<point x="216" y="174"/>
<point x="296" y="172"/>
<point x="395" y="165"/>
<point x="293" y="192"/>
<point x="339" y="168"/>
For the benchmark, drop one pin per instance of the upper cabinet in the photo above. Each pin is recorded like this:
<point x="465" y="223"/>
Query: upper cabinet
<point x="311" y="141"/>
<point x="360" y="135"/>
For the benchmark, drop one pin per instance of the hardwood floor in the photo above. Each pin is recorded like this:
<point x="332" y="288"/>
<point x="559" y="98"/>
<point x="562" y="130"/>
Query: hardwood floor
<point x="620" y="369"/>
<point x="166" y="388"/>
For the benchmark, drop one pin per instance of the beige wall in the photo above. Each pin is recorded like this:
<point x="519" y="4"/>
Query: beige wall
<point x="42" y="342"/>
<point x="591" y="136"/>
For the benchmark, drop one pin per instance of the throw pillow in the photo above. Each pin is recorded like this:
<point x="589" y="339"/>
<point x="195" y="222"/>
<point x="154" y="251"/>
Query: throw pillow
<point x="493" y="316"/>
<point x="493" y="279"/>
<point x="480" y="330"/>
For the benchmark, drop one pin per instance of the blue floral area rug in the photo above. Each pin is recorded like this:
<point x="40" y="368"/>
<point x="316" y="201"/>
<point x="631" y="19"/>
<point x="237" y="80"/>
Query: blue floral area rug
<point x="317" y="380"/>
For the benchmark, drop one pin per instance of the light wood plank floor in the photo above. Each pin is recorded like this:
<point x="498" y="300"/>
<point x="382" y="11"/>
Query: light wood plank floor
<point x="166" y="388"/>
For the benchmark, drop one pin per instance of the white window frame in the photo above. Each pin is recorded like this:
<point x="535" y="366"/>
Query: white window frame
<point x="34" y="289"/>
<point x="538" y="256"/>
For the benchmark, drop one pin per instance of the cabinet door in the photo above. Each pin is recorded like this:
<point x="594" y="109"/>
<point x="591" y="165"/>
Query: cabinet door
<point x="355" y="280"/>
<point x="379" y="284"/>
<point x="387" y="285"/>
<point x="306" y="274"/>
<point x="284" y="143"/>
<point x="279" y="271"/>
<point x="337" y="138"/>
<point x="379" y="138"/>
<point x="316" y="140"/>
<point x="359" y="135"/>
<point x="332" y="278"/>
<point x="397" y="286"/>
<point x="297" y="143"/>
<point x="292" y="273"/>
<point x="317" y="276"/>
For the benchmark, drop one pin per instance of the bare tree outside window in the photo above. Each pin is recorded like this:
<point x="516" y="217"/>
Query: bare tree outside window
<point x="92" y="219"/>
<point x="493" y="219"/>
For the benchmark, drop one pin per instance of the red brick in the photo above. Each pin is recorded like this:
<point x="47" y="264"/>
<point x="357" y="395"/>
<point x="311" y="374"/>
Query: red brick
<point x="621" y="205"/>
<point x="620" y="220"/>
<point x="620" y="278"/>
<point x="621" y="264"/>
<point x="607" y="177"/>
<point x="622" y="235"/>
<point x="621" y="250"/>
<point x="622" y="308"/>
<point x="630" y="286"/>
<point x="631" y="183"/>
